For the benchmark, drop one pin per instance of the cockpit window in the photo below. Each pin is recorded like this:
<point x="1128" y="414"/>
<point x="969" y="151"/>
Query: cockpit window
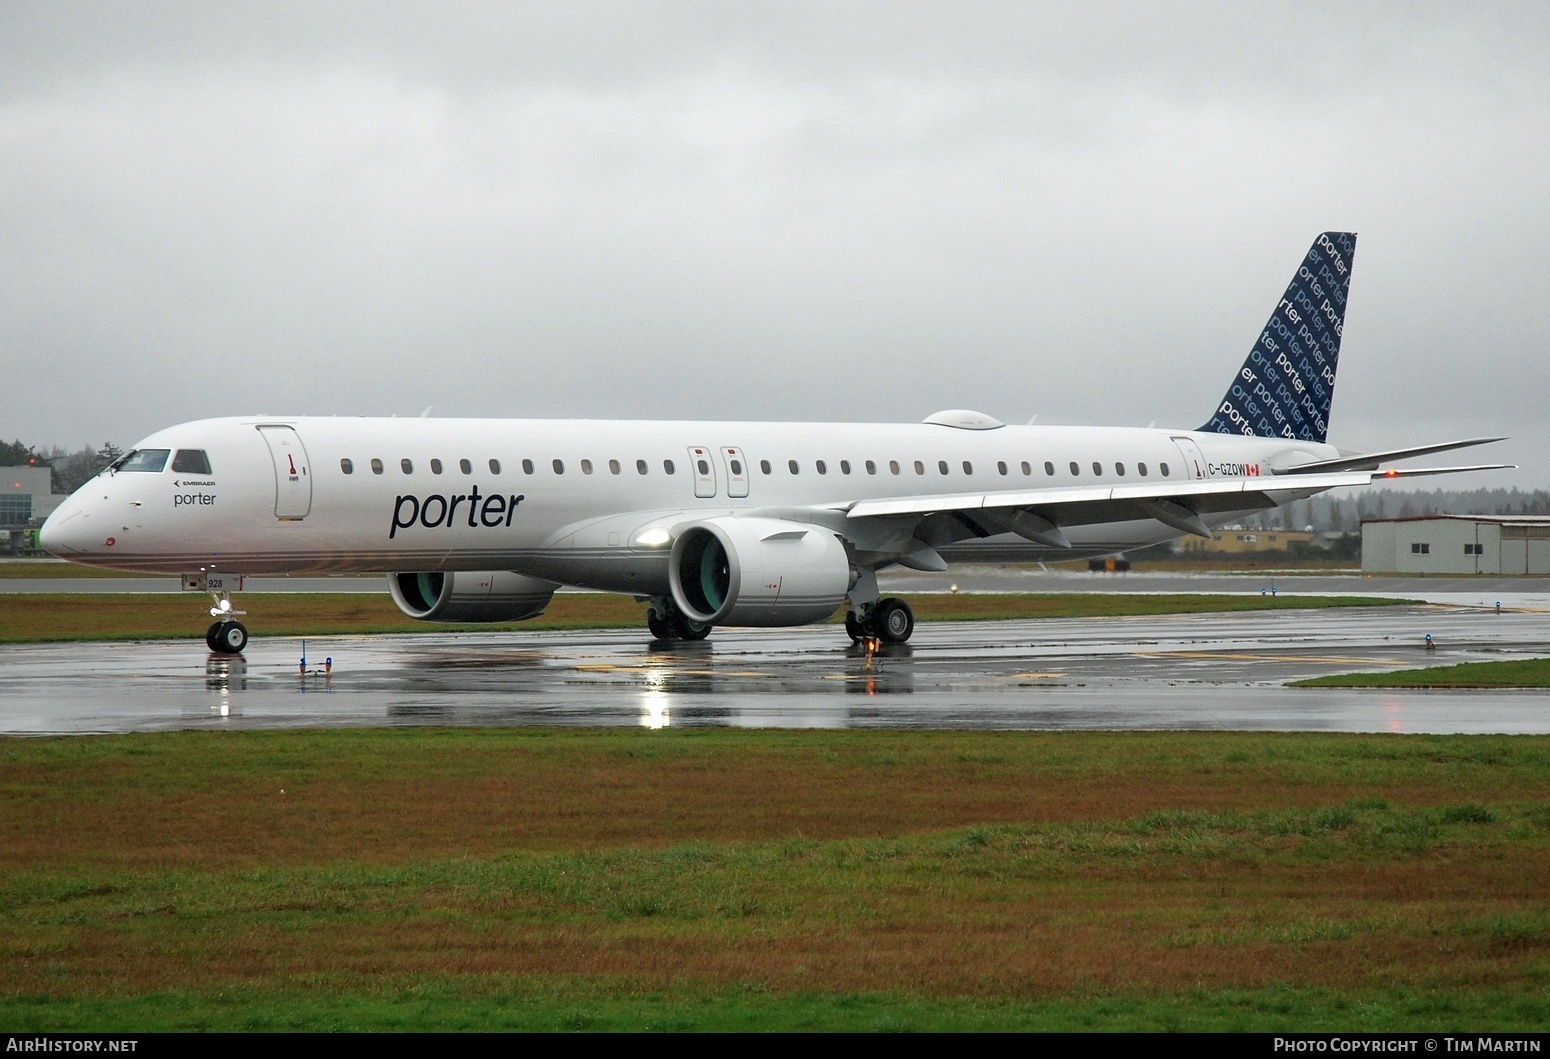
<point x="144" y="460"/>
<point x="191" y="461"/>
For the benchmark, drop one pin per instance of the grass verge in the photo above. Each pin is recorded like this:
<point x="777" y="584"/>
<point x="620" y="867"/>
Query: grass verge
<point x="89" y="616"/>
<point x="1516" y="673"/>
<point x="485" y="879"/>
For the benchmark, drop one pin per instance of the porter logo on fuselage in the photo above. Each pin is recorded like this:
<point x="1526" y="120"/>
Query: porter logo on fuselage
<point x="492" y="511"/>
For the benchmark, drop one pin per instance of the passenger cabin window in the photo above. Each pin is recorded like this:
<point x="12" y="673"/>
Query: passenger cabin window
<point x="407" y="466"/>
<point x="1001" y="466"/>
<point x="737" y="467"/>
<point x="823" y="468"/>
<point x="1141" y="469"/>
<point x="941" y="465"/>
<point x="152" y="460"/>
<point x="920" y="468"/>
<point x="1163" y="467"/>
<point x="1027" y="468"/>
<point x="466" y="466"/>
<point x="586" y="466"/>
<point x="1075" y="470"/>
<point x="844" y="466"/>
<point x="700" y="465"/>
<point x="1097" y="469"/>
<point x="376" y="466"/>
<point x="1049" y="468"/>
<point x="346" y="466"/>
<point x="893" y="466"/>
<point x="527" y="466"/>
<point x="191" y="461"/>
<point x="640" y="467"/>
<point x="764" y="465"/>
<point x="1119" y="469"/>
<point x="792" y="466"/>
<point x="435" y="466"/>
<point x="968" y="468"/>
<point x="613" y="466"/>
<point x="559" y="466"/>
<point x="667" y="466"/>
<point x="871" y="467"/>
<point x="495" y="467"/>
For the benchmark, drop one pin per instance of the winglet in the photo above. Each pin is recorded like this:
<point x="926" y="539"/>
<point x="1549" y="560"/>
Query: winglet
<point x="1285" y="388"/>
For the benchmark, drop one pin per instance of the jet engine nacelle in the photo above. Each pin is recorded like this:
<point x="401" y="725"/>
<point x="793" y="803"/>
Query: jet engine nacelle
<point x="758" y="571"/>
<point x="464" y="596"/>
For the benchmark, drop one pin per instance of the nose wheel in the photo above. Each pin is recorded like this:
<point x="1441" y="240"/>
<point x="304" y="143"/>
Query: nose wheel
<point x="227" y="637"/>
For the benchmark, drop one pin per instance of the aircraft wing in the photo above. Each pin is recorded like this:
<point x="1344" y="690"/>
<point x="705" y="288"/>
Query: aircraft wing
<point x="1198" y="495"/>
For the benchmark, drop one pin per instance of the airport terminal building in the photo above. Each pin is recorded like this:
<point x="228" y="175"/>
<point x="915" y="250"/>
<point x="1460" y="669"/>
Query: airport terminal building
<point x="1457" y="544"/>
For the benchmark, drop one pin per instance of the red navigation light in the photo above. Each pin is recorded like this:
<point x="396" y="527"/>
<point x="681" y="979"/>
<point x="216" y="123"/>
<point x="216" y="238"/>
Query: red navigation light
<point x="1391" y="474"/>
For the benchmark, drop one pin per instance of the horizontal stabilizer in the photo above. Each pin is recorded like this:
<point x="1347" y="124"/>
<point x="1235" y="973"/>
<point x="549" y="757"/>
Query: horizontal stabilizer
<point x="1370" y="461"/>
<point x="1421" y="472"/>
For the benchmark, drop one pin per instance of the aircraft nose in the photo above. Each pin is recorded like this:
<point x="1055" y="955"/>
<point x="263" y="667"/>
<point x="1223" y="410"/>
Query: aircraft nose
<point x="64" y="533"/>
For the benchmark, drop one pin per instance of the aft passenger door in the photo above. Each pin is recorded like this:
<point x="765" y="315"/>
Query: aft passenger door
<point x="704" y="472"/>
<point x="737" y="471"/>
<point x="292" y="482"/>
<point x="1194" y="462"/>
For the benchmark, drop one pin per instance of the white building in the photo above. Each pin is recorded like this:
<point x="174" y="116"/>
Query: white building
<point x="1457" y="544"/>
<point x="26" y="496"/>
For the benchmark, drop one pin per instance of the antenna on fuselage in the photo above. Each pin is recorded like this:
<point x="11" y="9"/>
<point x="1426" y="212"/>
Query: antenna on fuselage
<point x="426" y="414"/>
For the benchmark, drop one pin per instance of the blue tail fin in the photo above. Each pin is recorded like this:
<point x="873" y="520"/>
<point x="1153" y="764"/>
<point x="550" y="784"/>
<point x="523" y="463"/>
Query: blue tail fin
<point x="1285" y="387"/>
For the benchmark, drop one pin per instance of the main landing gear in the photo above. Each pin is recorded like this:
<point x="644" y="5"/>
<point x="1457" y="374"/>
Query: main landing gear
<point x="667" y="622"/>
<point x="889" y="620"/>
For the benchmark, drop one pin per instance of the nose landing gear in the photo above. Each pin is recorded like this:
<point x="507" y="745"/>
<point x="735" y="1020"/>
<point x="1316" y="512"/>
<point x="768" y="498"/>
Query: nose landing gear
<point x="227" y="636"/>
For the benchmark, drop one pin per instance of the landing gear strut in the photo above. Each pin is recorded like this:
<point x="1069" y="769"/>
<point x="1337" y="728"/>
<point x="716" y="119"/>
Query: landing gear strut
<point x="667" y="622"/>
<point x="890" y="620"/>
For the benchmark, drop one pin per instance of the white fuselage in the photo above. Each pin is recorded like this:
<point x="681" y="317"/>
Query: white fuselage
<point x="571" y="500"/>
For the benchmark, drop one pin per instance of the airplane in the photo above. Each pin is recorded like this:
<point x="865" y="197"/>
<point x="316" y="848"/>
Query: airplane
<point x="715" y="523"/>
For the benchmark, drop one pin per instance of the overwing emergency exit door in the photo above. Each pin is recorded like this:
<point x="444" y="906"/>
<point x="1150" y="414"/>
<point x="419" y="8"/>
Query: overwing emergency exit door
<point x="292" y="480"/>
<point x="737" y="471"/>
<point x="704" y="471"/>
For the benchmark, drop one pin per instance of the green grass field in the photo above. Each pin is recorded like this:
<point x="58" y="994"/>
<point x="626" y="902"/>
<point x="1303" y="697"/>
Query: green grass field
<point x="88" y="616"/>
<point x="1516" y="673"/>
<point x="724" y="879"/>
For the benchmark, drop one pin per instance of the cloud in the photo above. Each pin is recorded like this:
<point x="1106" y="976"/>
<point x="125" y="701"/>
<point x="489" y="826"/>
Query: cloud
<point x="713" y="211"/>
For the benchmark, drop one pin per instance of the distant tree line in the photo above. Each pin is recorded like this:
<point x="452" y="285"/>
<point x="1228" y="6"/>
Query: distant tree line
<point x="70" y="470"/>
<point x="1333" y="513"/>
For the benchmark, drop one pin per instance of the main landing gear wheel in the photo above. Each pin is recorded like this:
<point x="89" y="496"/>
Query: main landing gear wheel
<point x="227" y="637"/>
<point x="689" y="629"/>
<point x="893" y="620"/>
<point x="667" y="622"/>
<point x="660" y="625"/>
<point x="890" y="620"/>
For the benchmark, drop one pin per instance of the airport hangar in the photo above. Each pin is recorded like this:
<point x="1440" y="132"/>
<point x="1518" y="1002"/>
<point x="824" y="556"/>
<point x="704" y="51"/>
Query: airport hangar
<point x="1457" y="544"/>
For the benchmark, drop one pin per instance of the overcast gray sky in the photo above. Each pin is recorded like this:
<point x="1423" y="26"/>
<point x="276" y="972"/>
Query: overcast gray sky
<point x="784" y="211"/>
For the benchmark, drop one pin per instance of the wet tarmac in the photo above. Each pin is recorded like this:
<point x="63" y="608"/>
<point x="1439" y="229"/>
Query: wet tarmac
<point x="1207" y="671"/>
<point x="1518" y="592"/>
